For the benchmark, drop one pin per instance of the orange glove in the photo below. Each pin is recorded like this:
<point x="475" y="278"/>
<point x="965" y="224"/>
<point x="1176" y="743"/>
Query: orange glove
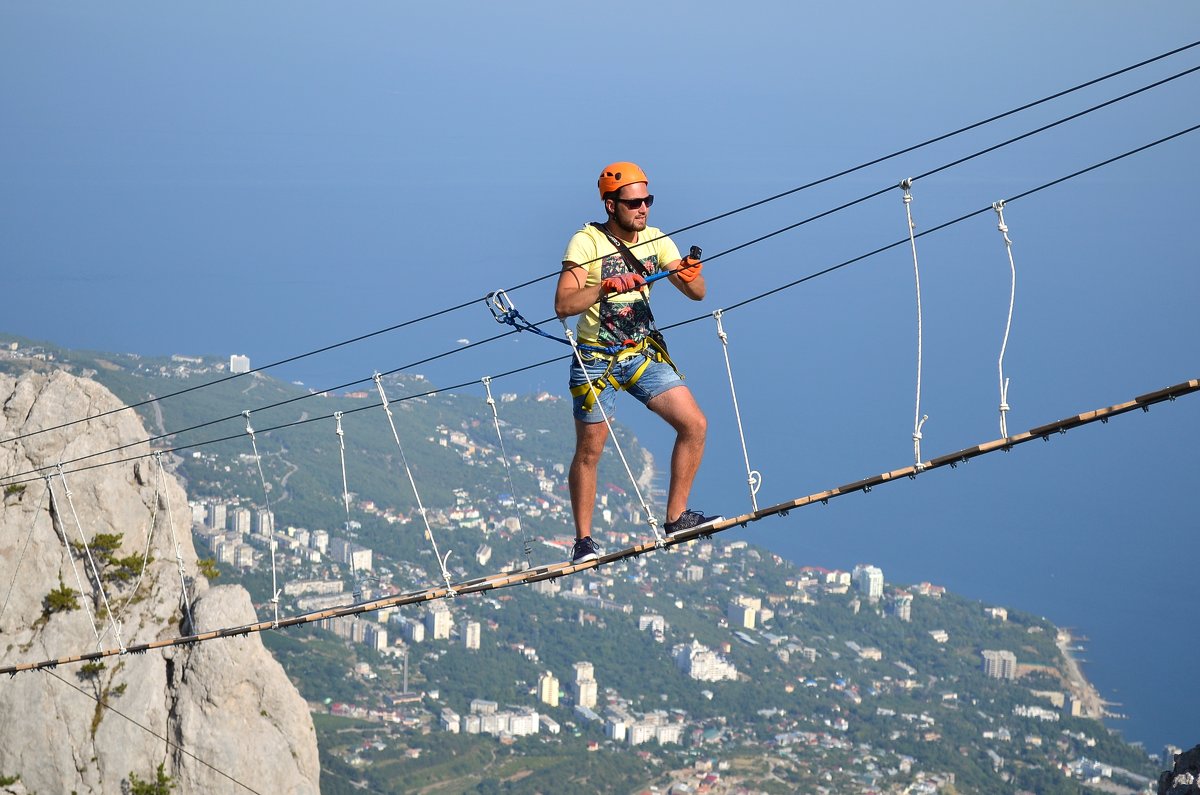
<point x="689" y="269"/>
<point x="622" y="283"/>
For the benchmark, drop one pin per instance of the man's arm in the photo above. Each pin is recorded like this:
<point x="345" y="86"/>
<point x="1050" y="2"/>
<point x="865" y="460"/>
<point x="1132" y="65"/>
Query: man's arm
<point x="572" y="296"/>
<point x="695" y="289"/>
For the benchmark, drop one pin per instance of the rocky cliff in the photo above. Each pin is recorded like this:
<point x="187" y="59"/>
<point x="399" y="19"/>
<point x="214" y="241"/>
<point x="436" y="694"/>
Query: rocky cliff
<point x="220" y="716"/>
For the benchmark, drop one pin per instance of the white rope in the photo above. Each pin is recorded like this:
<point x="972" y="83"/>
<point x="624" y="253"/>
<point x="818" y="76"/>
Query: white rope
<point x="918" y="420"/>
<point x="146" y="552"/>
<point x="753" y="476"/>
<point x="1012" y="296"/>
<point x="61" y="531"/>
<point x="32" y="526"/>
<point x="359" y="583"/>
<point x="420" y="506"/>
<point x="487" y="384"/>
<point x="116" y="626"/>
<point x="341" y="435"/>
<point x="271" y="516"/>
<point x="187" y="602"/>
<point x="650" y="520"/>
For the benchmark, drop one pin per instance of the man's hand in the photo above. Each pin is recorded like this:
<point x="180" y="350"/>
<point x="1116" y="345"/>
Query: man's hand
<point x="621" y="284"/>
<point x="689" y="269"/>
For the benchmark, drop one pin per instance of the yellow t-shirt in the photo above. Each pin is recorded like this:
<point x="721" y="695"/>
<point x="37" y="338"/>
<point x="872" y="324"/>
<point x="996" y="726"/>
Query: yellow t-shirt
<point x="626" y="316"/>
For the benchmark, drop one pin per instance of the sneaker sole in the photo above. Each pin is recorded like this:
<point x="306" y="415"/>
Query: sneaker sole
<point x="584" y="559"/>
<point x="713" y="520"/>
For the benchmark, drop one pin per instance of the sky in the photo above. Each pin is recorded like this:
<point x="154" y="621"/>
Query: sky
<point x="271" y="178"/>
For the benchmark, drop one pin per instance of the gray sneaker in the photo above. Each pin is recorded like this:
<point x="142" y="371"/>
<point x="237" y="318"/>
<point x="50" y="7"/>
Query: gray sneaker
<point x="690" y="520"/>
<point x="585" y="550"/>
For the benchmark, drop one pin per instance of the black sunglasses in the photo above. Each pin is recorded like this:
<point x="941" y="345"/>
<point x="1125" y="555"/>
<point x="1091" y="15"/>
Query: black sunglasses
<point x="633" y="204"/>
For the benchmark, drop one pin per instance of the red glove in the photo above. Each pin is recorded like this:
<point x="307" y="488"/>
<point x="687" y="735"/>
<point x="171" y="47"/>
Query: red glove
<point x="689" y="269"/>
<point x="621" y="284"/>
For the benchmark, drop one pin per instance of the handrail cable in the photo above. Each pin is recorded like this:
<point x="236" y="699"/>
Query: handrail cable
<point x="34" y="474"/>
<point x="720" y="216"/>
<point x="710" y="259"/>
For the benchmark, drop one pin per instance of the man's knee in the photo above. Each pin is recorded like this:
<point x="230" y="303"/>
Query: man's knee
<point x="589" y="443"/>
<point x="587" y="456"/>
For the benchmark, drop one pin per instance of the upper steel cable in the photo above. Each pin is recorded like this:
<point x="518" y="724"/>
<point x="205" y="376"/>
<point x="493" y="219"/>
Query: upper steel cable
<point x="720" y="216"/>
<point x="22" y="476"/>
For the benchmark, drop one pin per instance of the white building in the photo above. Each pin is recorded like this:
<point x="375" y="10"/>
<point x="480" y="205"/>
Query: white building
<point x="548" y="689"/>
<point x="471" y="635"/>
<point x="585" y="693"/>
<point x="239" y="363"/>
<point x="584" y="689"/>
<point x="999" y="664"/>
<point x="902" y="606"/>
<point x="702" y="663"/>
<point x="411" y="630"/>
<point x="319" y="540"/>
<point x="868" y="580"/>
<point x="438" y="622"/>
<point x="239" y="521"/>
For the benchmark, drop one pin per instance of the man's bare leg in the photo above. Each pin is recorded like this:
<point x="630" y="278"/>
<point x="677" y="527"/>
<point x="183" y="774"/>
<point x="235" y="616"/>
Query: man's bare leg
<point x="679" y="409"/>
<point x="589" y="445"/>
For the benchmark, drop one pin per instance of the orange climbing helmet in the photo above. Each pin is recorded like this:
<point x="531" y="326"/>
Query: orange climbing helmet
<point x="618" y="175"/>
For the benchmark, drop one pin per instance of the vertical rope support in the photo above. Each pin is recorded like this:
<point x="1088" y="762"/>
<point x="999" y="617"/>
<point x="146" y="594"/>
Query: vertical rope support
<point x="1012" y="296"/>
<point x="116" y="626"/>
<point x="183" y="586"/>
<point x="753" y="477"/>
<point x="487" y="385"/>
<point x="24" y="547"/>
<point x="412" y="482"/>
<point x="359" y="584"/>
<point x="149" y="542"/>
<point x="918" y="419"/>
<point x="341" y="435"/>
<point x="650" y="520"/>
<point x="267" y="501"/>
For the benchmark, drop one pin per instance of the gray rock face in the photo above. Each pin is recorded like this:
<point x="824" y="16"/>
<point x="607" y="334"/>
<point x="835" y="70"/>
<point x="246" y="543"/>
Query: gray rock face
<point x="226" y="707"/>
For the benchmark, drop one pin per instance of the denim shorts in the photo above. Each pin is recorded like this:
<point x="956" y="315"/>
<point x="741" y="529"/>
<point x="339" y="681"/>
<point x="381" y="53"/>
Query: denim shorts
<point x="657" y="378"/>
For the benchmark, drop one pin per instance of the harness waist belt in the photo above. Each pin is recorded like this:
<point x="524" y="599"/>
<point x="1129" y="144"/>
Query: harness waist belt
<point x="649" y="348"/>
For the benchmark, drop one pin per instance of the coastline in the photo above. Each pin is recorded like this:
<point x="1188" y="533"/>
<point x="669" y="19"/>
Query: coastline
<point x="1082" y="691"/>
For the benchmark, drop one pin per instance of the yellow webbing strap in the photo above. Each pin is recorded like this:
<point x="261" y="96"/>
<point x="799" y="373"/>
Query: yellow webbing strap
<point x="650" y="351"/>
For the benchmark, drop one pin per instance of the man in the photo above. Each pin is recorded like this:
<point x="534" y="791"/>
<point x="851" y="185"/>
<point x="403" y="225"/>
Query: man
<point x="608" y="288"/>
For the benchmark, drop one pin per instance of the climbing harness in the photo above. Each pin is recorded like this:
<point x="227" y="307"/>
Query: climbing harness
<point x="918" y="420"/>
<point x="753" y="476"/>
<point x="650" y="349"/>
<point x="412" y="482"/>
<point x="1012" y="295"/>
<point x="275" y="590"/>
